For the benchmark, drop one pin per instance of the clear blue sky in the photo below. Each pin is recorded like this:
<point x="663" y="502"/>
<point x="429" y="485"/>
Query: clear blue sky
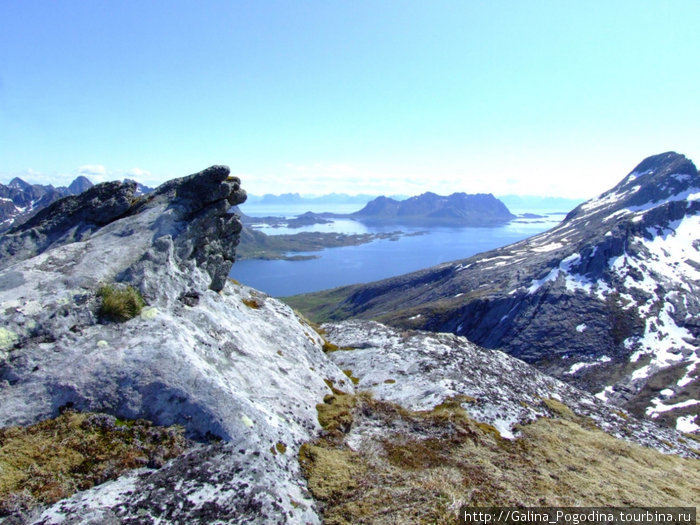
<point x="532" y="97"/>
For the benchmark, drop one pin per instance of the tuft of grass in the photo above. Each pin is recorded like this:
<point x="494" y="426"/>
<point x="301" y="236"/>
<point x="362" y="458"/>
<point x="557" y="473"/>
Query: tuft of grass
<point x="558" y="408"/>
<point x="53" y="459"/>
<point x="335" y="413"/>
<point x="333" y="474"/>
<point x="621" y="414"/>
<point x="694" y="437"/>
<point x="120" y="304"/>
<point x="329" y="347"/>
<point x="355" y="380"/>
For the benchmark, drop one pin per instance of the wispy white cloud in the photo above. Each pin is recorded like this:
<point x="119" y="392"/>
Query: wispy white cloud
<point x="485" y="173"/>
<point x="322" y="178"/>
<point x="29" y="175"/>
<point x="95" y="172"/>
<point x="138" y="174"/>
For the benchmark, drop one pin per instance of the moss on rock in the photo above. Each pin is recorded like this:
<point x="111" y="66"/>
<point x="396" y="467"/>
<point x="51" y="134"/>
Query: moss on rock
<point x="55" y="458"/>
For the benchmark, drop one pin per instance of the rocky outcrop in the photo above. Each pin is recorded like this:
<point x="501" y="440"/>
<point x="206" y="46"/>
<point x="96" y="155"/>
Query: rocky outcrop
<point x="67" y="220"/>
<point x="192" y="357"/>
<point x="421" y="370"/>
<point x="607" y="300"/>
<point x="195" y="220"/>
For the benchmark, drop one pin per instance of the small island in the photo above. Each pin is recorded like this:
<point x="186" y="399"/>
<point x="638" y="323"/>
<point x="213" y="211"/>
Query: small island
<point x="257" y="245"/>
<point x="457" y="209"/>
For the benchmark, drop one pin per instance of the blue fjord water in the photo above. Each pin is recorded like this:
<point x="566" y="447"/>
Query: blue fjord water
<point x="379" y="259"/>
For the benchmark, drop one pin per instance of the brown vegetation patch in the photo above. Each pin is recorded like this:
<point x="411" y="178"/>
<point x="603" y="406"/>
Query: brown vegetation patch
<point x="53" y="459"/>
<point x="421" y="467"/>
<point x="355" y="380"/>
<point x="252" y="303"/>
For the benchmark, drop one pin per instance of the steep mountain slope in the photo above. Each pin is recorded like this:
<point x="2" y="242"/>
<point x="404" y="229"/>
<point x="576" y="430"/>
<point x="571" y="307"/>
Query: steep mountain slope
<point x="609" y="299"/>
<point x="19" y="200"/>
<point x="470" y="210"/>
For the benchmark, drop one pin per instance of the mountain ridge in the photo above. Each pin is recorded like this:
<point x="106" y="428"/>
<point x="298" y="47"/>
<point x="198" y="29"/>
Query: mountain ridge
<point x="20" y="200"/>
<point x="590" y="301"/>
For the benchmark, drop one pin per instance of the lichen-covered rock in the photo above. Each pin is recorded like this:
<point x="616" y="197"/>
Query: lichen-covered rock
<point x="198" y="355"/>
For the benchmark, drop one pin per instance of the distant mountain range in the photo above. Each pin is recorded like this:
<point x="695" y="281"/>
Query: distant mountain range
<point x="290" y="199"/>
<point x="428" y="208"/>
<point x="20" y="200"/>
<point x="519" y="202"/>
<point x="609" y="299"/>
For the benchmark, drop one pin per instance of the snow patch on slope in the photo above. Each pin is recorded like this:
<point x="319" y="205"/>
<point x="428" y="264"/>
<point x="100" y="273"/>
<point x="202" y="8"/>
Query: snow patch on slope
<point x="572" y="280"/>
<point x="420" y="370"/>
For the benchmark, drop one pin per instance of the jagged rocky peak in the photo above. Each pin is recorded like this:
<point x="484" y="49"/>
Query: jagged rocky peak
<point x="665" y="177"/>
<point x="669" y="173"/>
<point x="19" y="184"/>
<point x="202" y="199"/>
<point x="20" y="200"/>
<point x="79" y="185"/>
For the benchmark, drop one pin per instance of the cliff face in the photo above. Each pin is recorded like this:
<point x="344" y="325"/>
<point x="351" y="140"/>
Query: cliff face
<point x="609" y="299"/>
